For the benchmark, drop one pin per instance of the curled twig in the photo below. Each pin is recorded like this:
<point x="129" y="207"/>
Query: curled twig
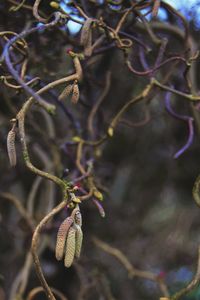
<point x="37" y="290"/>
<point x="35" y="240"/>
<point x="132" y="271"/>
<point x="187" y="119"/>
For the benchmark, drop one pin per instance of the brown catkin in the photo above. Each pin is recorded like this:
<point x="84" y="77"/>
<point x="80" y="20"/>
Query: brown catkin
<point x="11" y="147"/>
<point x="61" y="237"/>
<point x="75" y="94"/>
<point x="85" y="32"/>
<point x="79" y="240"/>
<point x="70" y="247"/>
<point x="65" y="93"/>
<point x="88" y="45"/>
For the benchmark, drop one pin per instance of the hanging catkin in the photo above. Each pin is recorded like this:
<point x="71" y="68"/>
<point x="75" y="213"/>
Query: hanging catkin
<point x="86" y="37"/>
<point x="70" y="247"/>
<point x="11" y="147"/>
<point x="75" y="94"/>
<point x="61" y="237"/>
<point x="88" y="46"/>
<point x="85" y="32"/>
<point x="79" y="239"/>
<point x="65" y="93"/>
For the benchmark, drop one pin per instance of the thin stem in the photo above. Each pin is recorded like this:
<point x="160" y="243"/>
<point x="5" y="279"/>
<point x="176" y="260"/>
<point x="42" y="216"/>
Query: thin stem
<point x="195" y="281"/>
<point x="132" y="271"/>
<point x="12" y="41"/>
<point x="34" y="246"/>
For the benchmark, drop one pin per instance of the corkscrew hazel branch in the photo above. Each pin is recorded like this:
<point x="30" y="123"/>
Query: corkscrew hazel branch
<point x="23" y="212"/>
<point x="21" y="118"/>
<point x="35" y="291"/>
<point x="132" y="271"/>
<point x="36" y="13"/>
<point x="187" y="119"/>
<point x="195" y="281"/>
<point x="156" y="67"/>
<point x="155" y="8"/>
<point x="50" y="108"/>
<point x="98" y="103"/>
<point x="12" y="41"/>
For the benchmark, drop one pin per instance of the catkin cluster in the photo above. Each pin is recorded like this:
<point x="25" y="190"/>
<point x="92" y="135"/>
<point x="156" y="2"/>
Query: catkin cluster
<point x="69" y="238"/>
<point x="72" y="89"/>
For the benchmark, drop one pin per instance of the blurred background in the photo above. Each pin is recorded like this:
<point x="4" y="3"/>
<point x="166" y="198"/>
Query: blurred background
<point x="150" y="212"/>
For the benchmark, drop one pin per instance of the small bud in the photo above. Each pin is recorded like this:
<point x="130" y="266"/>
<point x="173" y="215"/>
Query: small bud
<point x="110" y="131"/>
<point x="54" y="4"/>
<point x="75" y="188"/>
<point x="98" y="195"/>
<point x="71" y="205"/>
<point x="76" y="200"/>
<point x="76" y="139"/>
<point x="78" y="218"/>
<point x="70" y="247"/>
<point x="11" y="147"/>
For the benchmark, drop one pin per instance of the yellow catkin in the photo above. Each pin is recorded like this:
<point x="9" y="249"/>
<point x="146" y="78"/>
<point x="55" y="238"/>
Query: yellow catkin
<point x="11" y="147"/>
<point x="70" y="247"/>
<point x="79" y="240"/>
<point x="75" y="94"/>
<point x="61" y="237"/>
<point x="65" y="93"/>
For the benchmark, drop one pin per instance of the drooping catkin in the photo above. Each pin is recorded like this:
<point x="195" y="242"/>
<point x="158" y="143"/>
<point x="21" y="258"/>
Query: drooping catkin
<point x="61" y="237"/>
<point x="65" y="93"/>
<point x="75" y="94"/>
<point x="85" y="32"/>
<point x="11" y="147"/>
<point x="70" y="247"/>
<point x="79" y="240"/>
<point x="86" y="37"/>
<point x="88" y="46"/>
